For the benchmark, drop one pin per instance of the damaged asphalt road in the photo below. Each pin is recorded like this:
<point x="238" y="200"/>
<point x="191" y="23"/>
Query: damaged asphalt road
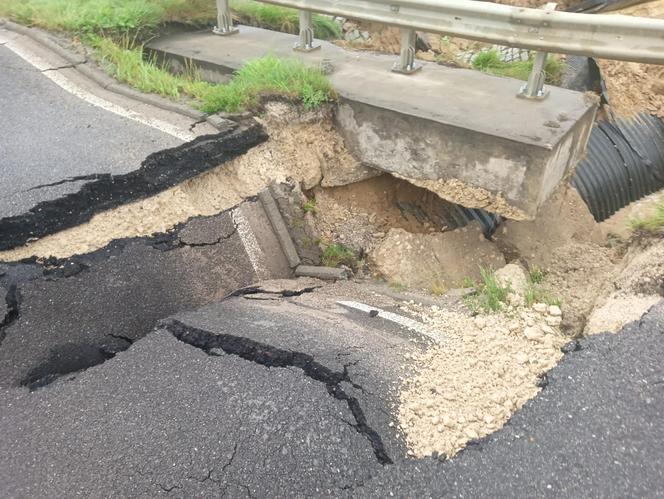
<point x="48" y="135"/>
<point x="78" y="159"/>
<point x="66" y="315"/>
<point x="238" y="399"/>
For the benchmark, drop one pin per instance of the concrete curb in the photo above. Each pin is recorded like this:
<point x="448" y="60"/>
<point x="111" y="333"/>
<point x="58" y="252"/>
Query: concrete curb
<point x="325" y="273"/>
<point x="279" y="226"/>
<point x="288" y="247"/>
<point x="81" y="64"/>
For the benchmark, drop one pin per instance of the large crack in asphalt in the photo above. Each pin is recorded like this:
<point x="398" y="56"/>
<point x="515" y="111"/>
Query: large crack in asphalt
<point x="158" y="172"/>
<point x="67" y="359"/>
<point x="270" y="356"/>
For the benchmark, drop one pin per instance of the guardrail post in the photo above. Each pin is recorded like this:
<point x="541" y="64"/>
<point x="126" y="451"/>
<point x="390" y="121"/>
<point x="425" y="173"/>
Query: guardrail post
<point x="224" y="25"/>
<point x="406" y="63"/>
<point x="534" y="88"/>
<point x="306" y="41"/>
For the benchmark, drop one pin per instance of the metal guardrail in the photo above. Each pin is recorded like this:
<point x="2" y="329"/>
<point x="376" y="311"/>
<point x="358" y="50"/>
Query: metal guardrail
<point x="618" y="37"/>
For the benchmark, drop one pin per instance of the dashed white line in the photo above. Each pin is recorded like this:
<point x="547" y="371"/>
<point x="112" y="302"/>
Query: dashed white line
<point x="401" y="320"/>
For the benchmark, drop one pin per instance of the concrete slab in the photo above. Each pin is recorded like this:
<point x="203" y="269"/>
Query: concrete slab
<point x="439" y="125"/>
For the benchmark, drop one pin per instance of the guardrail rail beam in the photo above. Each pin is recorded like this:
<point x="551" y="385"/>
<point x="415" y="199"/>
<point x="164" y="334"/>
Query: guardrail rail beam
<point x="224" y="25"/>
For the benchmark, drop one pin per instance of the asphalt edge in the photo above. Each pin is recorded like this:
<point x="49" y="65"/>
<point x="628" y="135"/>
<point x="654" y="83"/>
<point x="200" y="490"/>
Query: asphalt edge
<point x="80" y="64"/>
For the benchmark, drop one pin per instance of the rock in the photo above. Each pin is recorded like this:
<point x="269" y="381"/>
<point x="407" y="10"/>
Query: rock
<point x="352" y="35"/>
<point x="540" y="308"/>
<point x="618" y="311"/>
<point x="553" y="321"/>
<point x="554" y="310"/>
<point x="533" y="333"/>
<point x="547" y="329"/>
<point x="480" y="322"/>
<point x="514" y="276"/>
<point x="413" y="259"/>
<point x="563" y="218"/>
<point x="571" y="346"/>
<point x="542" y="380"/>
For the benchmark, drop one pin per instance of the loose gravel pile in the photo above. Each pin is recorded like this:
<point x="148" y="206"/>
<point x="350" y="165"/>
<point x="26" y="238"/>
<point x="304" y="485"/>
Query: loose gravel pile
<point x="483" y="370"/>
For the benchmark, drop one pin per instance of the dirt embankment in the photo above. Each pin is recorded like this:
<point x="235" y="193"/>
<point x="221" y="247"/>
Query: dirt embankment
<point x="632" y="87"/>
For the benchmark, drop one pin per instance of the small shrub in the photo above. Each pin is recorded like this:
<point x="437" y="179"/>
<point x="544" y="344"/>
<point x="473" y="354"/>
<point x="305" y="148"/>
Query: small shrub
<point x="653" y="223"/>
<point x="309" y="206"/>
<point x="490" y="295"/>
<point x="536" y="275"/>
<point x="337" y="254"/>
<point x="490" y="62"/>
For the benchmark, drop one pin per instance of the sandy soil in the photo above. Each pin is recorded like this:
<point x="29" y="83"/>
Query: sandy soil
<point x="633" y="87"/>
<point x="484" y="370"/>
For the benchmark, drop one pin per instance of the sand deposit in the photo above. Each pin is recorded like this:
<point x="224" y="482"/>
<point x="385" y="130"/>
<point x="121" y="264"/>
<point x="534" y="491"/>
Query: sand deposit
<point x="484" y="369"/>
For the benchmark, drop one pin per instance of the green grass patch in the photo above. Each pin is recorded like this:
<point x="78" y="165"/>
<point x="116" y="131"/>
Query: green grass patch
<point x="536" y="275"/>
<point x="135" y="19"/>
<point x="140" y="19"/>
<point x="652" y="224"/>
<point x="490" y="295"/>
<point x="309" y="206"/>
<point x="337" y="254"/>
<point x="279" y="18"/>
<point x="489" y="61"/>
<point x="267" y="76"/>
<point x="536" y="292"/>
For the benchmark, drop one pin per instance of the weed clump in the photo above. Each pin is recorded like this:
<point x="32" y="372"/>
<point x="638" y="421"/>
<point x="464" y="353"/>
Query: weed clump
<point x="651" y="224"/>
<point x="490" y="62"/>
<point x="490" y="295"/>
<point x="267" y="76"/>
<point x="279" y="18"/>
<point x="338" y="254"/>
<point x="536" y="292"/>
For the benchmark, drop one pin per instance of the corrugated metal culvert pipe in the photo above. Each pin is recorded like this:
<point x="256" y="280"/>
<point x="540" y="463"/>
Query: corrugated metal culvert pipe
<point x="624" y="162"/>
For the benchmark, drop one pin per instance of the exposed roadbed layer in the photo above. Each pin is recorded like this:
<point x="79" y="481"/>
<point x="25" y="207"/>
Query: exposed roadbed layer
<point x="61" y="316"/>
<point x="158" y="172"/>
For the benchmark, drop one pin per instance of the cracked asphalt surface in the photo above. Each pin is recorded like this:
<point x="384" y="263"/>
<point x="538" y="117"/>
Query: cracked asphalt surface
<point x="127" y="373"/>
<point x="245" y="417"/>
<point x="48" y="135"/>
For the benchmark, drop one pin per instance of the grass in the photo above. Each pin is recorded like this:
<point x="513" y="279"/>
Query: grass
<point x="536" y="292"/>
<point x="490" y="295"/>
<point x="279" y="18"/>
<point x="536" y="275"/>
<point x="309" y="206"/>
<point x="651" y="224"/>
<point x="489" y="61"/>
<point x="140" y="19"/>
<point x="267" y="76"/>
<point x="337" y="254"/>
<point x="135" y="19"/>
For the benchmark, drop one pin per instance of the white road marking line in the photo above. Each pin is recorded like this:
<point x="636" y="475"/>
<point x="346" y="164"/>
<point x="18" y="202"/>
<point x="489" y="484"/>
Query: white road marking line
<point x="401" y="320"/>
<point x="67" y="85"/>
<point x="250" y="243"/>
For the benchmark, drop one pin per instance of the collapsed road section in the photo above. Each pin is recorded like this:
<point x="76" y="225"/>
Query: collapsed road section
<point x="64" y="315"/>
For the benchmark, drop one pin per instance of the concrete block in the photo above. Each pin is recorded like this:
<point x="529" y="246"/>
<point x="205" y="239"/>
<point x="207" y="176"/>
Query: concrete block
<point x="460" y="133"/>
<point x="325" y="273"/>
